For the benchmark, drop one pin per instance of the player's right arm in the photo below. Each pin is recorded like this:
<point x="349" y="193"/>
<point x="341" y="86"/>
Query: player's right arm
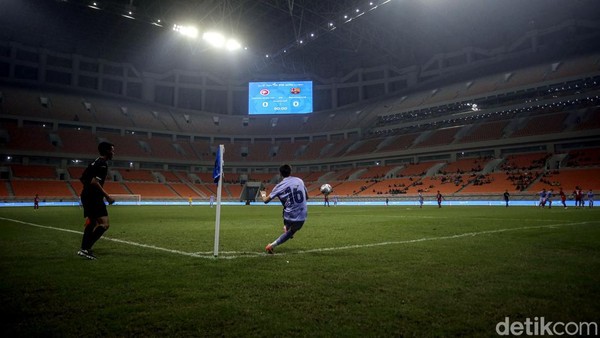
<point x="96" y="184"/>
<point x="266" y="198"/>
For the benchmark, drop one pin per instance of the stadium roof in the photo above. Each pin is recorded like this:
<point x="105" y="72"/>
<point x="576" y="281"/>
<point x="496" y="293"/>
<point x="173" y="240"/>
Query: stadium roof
<point x="395" y="32"/>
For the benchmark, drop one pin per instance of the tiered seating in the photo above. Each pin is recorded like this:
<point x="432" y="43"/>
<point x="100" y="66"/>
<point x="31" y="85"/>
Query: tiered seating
<point x="3" y="189"/>
<point x="314" y="176"/>
<point x="350" y="188"/>
<point x="584" y="157"/>
<point x="44" y="188"/>
<point x="433" y="184"/>
<point x="287" y="151"/>
<point x="464" y="165"/>
<point x="485" y="132"/>
<point x="137" y="175"/>
<point x="28" y="138"/>
<point x="544" y="124"/>
<point x="111" y="187"/>
<point x="259" y="151"/>
<point x="23" y="103"/>
<point x="78" y="142"/>
<point x="568" y="179"/>
<point x="184" y="190"/>
<point x="70" y="108"/>
<point x="341" y="175"/>
<point x="522" y="77"/>
<point x="207" y="189"/>
<point x="144" y="118"/>
<point x="499" y="183"/>
<point x="109" y="113"/>
<point x="593" y="122"/>
<point x="440" y="137"/>
<point x="33" y="171"/>
<point x="338" y="148"/>
<point x="75" y="172"/>
<point x="400" y="143"/>
<point x="202" y="149"/>
<point x="525" y="161"/>
<point x="366" y="147"/>
<point x="314" y="149"/>
<point x="261" y="177"/>
<point x="235" y="190"/>
<point x="151" y="190"/>
<point x="207" y="177"/>
<point x="417" y="169"/>
<point x="125" y="145"/>
<point x="170" y="176"/>
<point x="582" y="65"/>
<point x="163" y="148"/>
<point x="388" y="187"/>
<point x="377" y="171"/>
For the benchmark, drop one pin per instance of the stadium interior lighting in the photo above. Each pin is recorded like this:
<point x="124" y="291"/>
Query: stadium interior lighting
<point x="128" y="15"/>
<point x="232" y="45"/>
<point x="189" y="31"/>
<point x="94" y="5"/>
<point x="215" y="39"/>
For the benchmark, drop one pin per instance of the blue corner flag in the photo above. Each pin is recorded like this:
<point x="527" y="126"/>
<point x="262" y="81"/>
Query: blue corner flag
<point x="217" y="169"/>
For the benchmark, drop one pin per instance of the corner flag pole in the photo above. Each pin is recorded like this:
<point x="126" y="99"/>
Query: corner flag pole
<point x="218" y="171"/>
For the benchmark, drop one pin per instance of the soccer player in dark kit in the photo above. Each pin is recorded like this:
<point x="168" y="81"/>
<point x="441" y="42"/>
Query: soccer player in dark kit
<point x="92" y="199"/>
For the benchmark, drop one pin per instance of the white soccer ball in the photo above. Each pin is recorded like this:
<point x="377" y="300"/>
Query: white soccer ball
<point x="326" y="189"/>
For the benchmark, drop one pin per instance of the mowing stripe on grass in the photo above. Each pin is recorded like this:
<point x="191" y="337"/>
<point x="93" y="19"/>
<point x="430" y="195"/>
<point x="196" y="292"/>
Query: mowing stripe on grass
<point x="425" y="239"/>
<point x="108" y="238"/>
<point x="241" y="254"/>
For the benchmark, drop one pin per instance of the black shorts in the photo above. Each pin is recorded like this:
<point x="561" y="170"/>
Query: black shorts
<point x="293" y="226"/>
<point x="93" y="207"/>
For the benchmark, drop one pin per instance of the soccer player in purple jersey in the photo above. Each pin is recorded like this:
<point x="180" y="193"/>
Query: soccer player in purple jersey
<point x="293" y="196"/>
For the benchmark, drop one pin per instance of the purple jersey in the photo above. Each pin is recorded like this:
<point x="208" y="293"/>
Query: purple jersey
<point x="292" y="194"/>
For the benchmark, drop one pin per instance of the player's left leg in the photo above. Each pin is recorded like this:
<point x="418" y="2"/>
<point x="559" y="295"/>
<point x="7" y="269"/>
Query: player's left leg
<point x="291" y="229"/>
<point x="102" y="225"/>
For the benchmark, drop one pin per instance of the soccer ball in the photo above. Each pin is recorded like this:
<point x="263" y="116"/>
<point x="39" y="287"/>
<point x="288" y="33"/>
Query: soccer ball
<point x="326" y="189"/>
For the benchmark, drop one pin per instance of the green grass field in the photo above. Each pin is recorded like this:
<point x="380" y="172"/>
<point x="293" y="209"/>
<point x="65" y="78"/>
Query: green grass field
<point x="351" y="271"/>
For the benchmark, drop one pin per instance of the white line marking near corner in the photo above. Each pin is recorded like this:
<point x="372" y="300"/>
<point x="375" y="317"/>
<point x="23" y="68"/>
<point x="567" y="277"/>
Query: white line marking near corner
<point x="243" y="254"/>
<point x="425" y="239"/>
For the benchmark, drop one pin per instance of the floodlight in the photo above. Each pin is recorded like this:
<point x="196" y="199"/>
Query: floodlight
<point x="232" y="45"/>
<point x="214" y="38"/>
<point x="189" y="31"/>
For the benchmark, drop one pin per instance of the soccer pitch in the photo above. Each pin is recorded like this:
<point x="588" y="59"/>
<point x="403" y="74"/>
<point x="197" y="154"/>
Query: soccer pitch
<point x="350" y="271"/>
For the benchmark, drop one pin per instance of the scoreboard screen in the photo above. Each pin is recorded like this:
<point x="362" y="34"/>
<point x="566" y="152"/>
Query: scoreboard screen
<point x="288" y="97"/>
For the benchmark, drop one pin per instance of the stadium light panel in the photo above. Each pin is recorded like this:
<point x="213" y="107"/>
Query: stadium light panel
<point x="232" y="45"/>
<point x="189" y="31"/>
<point x="213" y="38"/>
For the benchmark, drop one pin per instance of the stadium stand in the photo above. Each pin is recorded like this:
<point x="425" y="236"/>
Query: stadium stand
<point x="532" y="102"/>
<point x="44" y="188"/>
<point x="33" y="171"/>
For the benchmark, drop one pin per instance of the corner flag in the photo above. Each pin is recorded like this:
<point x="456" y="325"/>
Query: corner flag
<point x="218" y="165"/>
<point x="218" y="178"/>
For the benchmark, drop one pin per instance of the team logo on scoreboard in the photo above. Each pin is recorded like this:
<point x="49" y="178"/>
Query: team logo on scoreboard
<point x="295" y="90"/>
<point x="264" y="92"/>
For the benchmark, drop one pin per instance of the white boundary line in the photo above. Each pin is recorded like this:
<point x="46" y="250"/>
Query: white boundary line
<point x="242" y="254"/>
